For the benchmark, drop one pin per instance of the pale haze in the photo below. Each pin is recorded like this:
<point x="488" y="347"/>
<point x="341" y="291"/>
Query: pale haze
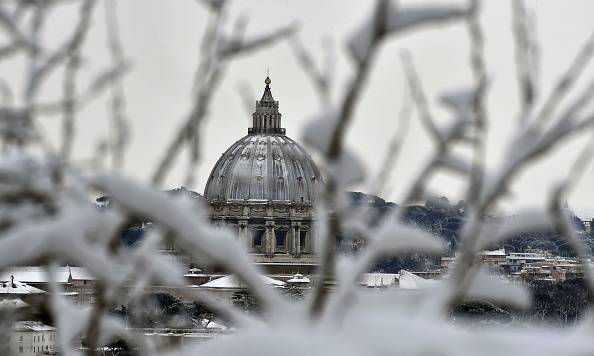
<point x="161" y="38"/>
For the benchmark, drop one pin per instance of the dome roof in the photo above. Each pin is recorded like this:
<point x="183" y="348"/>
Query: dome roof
<point x="264" y="167"/>
<point x="265" y="164"/>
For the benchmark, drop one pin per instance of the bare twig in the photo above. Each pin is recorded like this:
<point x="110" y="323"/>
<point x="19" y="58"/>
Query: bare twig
<point x="418" y="95"/>
<point x="328" y="248"/>
<point x="566" y="82"/>
<point x="395" y="146"/>
<point x="477" y="63"/>
<point x="118" y="103"/>
<point x="188" y="133"/>
<point x="247" y="98"/>
<point x="319" y="78"/>
<point x="39" y="72"/>
<point x="6" y="93"/>
<point x="525" y="59"/>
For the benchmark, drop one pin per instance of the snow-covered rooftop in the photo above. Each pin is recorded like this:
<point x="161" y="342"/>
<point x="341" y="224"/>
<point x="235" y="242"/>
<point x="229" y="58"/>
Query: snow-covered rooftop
<point x="13" y="304"/>
<point x="31" y="326"/>
<point x="232" y="282"/>
<point x="378" y="279"/>
<point x="35" y="274"/>
<point x="81" y="274"/>
<point x="39" y="274"/>
<point x="213" y="325"/>
<point x="16" y="287"/>
<point x="298" y="278"/>
<point x="411" y="281"/>
<point x="498" y="252"/>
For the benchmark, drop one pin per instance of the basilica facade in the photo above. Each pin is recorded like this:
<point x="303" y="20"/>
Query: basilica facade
<point x="267" y="187"/>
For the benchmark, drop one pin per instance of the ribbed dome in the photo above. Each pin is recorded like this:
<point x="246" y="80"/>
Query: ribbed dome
<point x="264" y="167"/>
<point x="265" y="164"/>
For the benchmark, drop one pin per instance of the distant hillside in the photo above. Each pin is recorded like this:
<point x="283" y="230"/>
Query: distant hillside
<point x="444" y="219"/>
<point x="438" y="217"/>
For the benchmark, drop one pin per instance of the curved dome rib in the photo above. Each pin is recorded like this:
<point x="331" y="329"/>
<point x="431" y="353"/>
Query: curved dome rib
<point x="264" y="167"/>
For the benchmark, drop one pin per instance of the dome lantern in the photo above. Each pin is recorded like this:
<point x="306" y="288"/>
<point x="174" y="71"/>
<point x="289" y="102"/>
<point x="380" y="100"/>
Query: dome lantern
<point x="266" y="119"/>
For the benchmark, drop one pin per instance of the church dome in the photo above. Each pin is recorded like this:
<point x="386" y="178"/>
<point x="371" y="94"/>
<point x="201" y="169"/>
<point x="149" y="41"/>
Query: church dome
<point x="266" y="164"/>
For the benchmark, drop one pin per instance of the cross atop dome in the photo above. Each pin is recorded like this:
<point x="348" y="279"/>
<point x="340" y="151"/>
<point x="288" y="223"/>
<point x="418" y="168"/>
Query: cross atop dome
<point x="266" y="118"/>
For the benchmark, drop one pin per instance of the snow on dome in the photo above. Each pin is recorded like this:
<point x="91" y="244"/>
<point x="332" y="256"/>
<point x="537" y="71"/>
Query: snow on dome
<point x="232" y="282"/>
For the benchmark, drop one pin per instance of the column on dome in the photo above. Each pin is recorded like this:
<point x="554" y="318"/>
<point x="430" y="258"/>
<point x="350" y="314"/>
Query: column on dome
<point x="243" y="234"/>
<point x="291" y="240"/>
<point x="296" y="228"/>
<point x="270" y="238"/>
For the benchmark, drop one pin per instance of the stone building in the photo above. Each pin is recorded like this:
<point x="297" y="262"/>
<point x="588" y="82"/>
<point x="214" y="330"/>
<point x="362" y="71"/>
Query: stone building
<point x="267" y="186"/>
<point x="32" y="338"/>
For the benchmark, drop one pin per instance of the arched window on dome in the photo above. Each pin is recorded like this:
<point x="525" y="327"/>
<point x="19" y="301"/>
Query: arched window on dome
<point x="303" y="240"/>
<point x="281" y="240"/>
<point x="258" y="241"/>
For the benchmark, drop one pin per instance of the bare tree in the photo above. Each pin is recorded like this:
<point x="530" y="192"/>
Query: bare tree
<point x="46" y="196"/>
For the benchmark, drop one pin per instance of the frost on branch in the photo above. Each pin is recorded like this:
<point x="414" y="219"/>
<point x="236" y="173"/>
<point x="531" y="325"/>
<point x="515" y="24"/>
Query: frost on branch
<point x="44" y="200"/>
<point x="498" y="289"/>
<point x="397" y="18"/>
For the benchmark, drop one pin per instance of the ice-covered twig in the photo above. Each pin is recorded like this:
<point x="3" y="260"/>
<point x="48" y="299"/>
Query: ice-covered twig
<point x="193" y="233"/>
<point x="386" y="19"/>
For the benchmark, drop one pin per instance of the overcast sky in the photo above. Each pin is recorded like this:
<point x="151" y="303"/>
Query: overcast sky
<point x="161" y="38"/>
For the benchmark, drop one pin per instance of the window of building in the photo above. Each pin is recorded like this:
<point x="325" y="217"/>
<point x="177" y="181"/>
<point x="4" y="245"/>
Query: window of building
<point x="258" y="237"/>
<point x="281" y="237"/>
<point x="20" y="349"/>
<point x="302" y="237"/>
<point x="20" y="338"/>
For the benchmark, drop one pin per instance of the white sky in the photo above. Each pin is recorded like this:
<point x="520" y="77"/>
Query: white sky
<point x="161" y="38"/>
